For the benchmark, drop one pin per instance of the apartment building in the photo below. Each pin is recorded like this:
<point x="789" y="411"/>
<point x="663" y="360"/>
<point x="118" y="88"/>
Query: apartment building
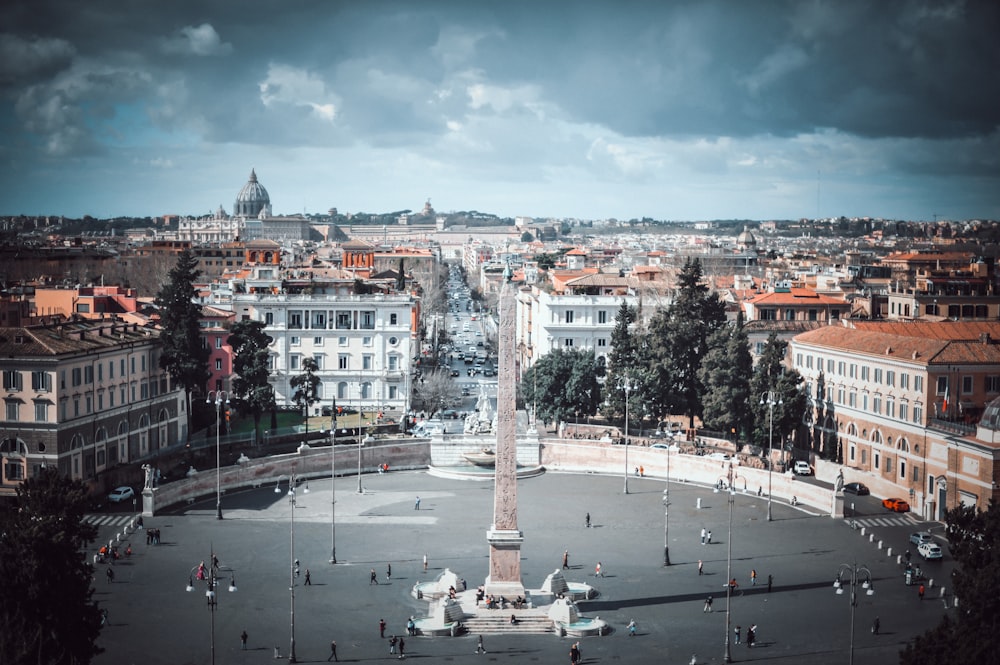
<point x="84" y="396"/>
<point x="904" y="406"/>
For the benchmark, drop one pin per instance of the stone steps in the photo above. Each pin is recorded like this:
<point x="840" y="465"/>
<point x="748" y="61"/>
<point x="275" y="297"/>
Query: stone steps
<point x="499" y="624"/>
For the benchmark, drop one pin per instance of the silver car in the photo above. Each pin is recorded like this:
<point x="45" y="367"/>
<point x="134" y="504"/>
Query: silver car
<point x="930" y="551"/>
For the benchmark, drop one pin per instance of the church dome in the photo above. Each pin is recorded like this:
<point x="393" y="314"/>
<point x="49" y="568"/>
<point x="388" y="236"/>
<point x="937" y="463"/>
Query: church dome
<point x="252" y="199"/>
<point x="746" y="239"/>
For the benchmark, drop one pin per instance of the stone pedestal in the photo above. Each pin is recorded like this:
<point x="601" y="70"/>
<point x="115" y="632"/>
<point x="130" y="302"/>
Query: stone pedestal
<point x="148" y="502"/>
<point x="505" y="563"/>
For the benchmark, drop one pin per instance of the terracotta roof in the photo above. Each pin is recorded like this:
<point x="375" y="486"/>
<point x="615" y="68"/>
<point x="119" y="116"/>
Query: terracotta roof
<point x="864" y="342"/>
<point x="576" y="251"/>
<point x="954" y="330"/>
<point x="65" y="338"/>
<point x="795" y="296"/>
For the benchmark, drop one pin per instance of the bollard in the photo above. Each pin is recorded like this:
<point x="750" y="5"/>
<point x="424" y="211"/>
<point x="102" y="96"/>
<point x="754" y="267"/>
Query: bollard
<point x="699" y="503"/>
<point x="864" y="530"/>
<point x="955" y="602"/>
<point x="277" y="653"/>
<point x="899" y="557"/>
<point x="888" y="553"/>
<point x="871" y="537"/>
<point x="879" y="544"/>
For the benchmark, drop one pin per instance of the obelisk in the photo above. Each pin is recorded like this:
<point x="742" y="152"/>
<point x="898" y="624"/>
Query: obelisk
<point x="504" y="537"/>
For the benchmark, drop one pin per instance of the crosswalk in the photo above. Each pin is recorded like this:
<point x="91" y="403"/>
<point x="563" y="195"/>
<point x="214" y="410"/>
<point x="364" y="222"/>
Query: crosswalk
<point x="107" y="520"/>
<point x="888" y="520"/>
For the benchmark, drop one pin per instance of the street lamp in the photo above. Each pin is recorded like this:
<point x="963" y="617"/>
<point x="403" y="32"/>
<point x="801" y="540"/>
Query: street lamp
<point x="727" y="657"/>
<point x="292" y="563"/>
<point x="627" y="387"/>
<point x="221" y="397"/>
<point x="211" y="582"/>
<point x="852" y="574"/>
<point x="333" y="479"/>
<point x="770" y="398"/>
<point x="666" y="515"/>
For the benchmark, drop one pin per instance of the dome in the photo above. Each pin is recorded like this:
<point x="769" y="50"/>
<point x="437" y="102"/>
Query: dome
<point x="991" y="416"/>
<point x="746" y="239"/>
<point x="252" y="199"/>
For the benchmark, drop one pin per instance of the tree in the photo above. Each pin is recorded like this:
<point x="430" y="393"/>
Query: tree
<point x="46" y="604"/>
<point x="966" y="636"/>
<point x="306" y="387"/>
<point x="563" y="384"/>
<point x="527" y="237"/>
<point x="252" y="390"/>
<point x="771" y="375"/>
<point x="621" y="360"/>
<point x="184" y="355"/>
<point x="435" y="391"/>
<point x="725" y="373"/>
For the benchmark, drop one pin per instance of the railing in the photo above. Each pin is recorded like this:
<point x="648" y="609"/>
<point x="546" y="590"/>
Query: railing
<point x="952" y="427"/>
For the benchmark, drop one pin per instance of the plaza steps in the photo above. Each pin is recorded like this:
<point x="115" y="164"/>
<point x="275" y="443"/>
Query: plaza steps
<point x="497" y="622"/>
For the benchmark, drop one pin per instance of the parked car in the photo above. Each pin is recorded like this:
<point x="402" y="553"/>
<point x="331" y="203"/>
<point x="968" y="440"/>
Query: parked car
<point x="454" y="372"/>
<point x="802" y="468"/>
<point x="896" y="505"/>
<point x="665" y="446"/>
<point x="920" y="537"/>
<point x="930" y="551"/>
<point x="449" y="413"/>
<point x="120" y="494"/>
<point x="859" y="489"/>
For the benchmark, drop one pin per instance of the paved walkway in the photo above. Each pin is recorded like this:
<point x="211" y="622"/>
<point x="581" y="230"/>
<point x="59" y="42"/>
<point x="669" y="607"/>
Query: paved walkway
<point x="153" y="620"/>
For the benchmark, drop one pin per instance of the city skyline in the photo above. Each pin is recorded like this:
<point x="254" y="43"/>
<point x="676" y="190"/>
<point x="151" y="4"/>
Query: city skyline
<point x="675" y="111"/>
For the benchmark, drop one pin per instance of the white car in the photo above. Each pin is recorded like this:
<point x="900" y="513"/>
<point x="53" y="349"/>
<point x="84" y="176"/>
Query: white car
<point x="802" y="468"/>
<point x="930" y="551"/>
<point x="120" y="494"/>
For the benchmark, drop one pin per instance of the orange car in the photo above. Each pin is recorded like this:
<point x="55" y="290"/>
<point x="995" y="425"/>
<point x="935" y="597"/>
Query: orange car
<point x="896" y="505"/>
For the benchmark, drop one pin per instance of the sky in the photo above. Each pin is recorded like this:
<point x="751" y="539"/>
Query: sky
<point x="683" y="110"/>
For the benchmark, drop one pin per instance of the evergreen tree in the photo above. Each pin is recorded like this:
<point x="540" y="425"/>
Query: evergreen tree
<point x="563" y="384"/>
<point x="725" y="373"/>
<point x="306" y="387"/>
<point x="678" y="340"/>
<point x="251" y="388"/>
<point x="46" y="602"/>
<point x="771" y="375"/>
<point x="968" y="635"/>
<point x="621" y="360"/>
<point x="184" y="354"/>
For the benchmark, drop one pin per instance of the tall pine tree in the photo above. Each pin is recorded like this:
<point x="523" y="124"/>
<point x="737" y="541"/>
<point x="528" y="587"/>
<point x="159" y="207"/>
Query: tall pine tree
<point x="725" y="374"/>
<point x="251" y="387"/>
<point x="621" y="361"/>
<point x="184" y="355"/>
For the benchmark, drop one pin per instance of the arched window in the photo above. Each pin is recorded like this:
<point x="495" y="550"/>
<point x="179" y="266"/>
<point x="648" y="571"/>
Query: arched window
<point x="342" y="390"/>
<point x="876" y="436"/>
<point x="903" y="445"/>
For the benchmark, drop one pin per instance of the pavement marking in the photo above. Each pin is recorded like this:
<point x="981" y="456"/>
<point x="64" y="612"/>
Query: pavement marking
<point x="107" y="520"/>
<point x="884" y="521"/>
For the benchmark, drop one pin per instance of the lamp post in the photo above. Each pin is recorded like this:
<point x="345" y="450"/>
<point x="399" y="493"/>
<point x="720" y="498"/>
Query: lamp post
<point x="627" y="387"/>
<point x="852" y="574"/>
<point x="292" y="564"/>
<point x="666" y="515"/>
<point x="221" y="397"/>
<point x="770" y="399"/>
<point x="333" y="482"/>
<point x="727" y="656"/>
<point x="211" y="582"/>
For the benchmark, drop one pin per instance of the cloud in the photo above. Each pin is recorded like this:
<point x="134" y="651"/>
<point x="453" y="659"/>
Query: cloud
<point x="288" y="86"/>
<point x="200" y="40"/>
<point x="28" y="59"/>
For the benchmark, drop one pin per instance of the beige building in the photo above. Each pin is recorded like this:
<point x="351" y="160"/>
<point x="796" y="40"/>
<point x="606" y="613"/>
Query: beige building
<point x="903" y="403"/>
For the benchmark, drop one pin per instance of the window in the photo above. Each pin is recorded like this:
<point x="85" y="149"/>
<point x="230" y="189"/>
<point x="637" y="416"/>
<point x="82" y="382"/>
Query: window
<point x="918" y="383"/>
<point x="342" y="341"/>
<point x="393" y="341"/>
<point x="100" y="372"/>
<point x="366" y="390"/>
<point x="12" y="380"/>
<point x="393" y="319"/>
<point x="602" y="316"/>
<point x="393" y="392"/>
<point x="878" y="375"/>
<point x="993" y="384"/>
<point x="918" y="414"/>
<point x="877" y="404"/>
<point x="904" y="410"/>
<point x="100" y="401"/>
<point x="840" y="394"/>
<point x="269" y="318"/>
<point x="569" y="316"/>
<point x="218" y="342"/>
<point x="902" y="469"/>
<point x="295" y="340"/>
<point x="568" y="342"/>
<point x="132" y="363"/>
<point x="343" y="320"/>
<point x="343" y="361"/>
<point x="294" y="361"/>
<point x="41" y="412"/>
<point x="88" y="374"/>
<point x="890" y="407"/>
<point x="218" y="364"/>
<point x="295" y="320"/>
<point x="942" y="385"/>
<point x="904" y="381"/>
<point x="367" y="320"/>
<point x="798" y="360"/>
<point x="966" y="385"/>
<point x="111" y="398"/>
<point x="852" y="399"/>
<point x="865" y="372"/>
<point x="41" y="382"/>
<point x="13" y="407"/>
<point x="319" y="320"/>
<point x="809" y="362"/>
<point x="890" y="378"/>
<point x="876" y="460"/>
<point x="366" y="361"/>
<point x="317" y="341"/>
<point x="319" y="359"/>
<point x="76" y="407"/>
<point x="840" y="368"/>
<point x="829" y="366"/>
<point x="854" y="371"/>
<point x="852" y="453"/>
<point x="366" y="341"/>
<point x="864" y="401"/>
<point x="342" y="390"/>
<point x="90" y="404"/>
<point x="392" y="363"/>
<point x="601" y="342"/>
<point x="77" y="376"/>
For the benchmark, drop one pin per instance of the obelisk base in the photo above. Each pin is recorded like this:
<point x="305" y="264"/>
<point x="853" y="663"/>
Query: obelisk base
<point x="505" y="564"/>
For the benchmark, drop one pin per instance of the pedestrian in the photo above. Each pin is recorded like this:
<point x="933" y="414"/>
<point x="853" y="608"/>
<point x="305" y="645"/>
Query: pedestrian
<point x="642" y="472"/>
<point x="479" y="645"/>
<point x="753" y="577"/>
<point x="703" y="533"/>
<point x="425" y="563"/>
<point x="392" y="645"/>
<point x="308" y="581"/>
<point x="111" y="575"/>
<point x="920" y="591"/>
<point x="402" y="646"/>
<point x="333" y="652"/>
<point x="243" y="640"/>
<point x="770" y="580"/>
<point x="104" y="617"/>
<point x="597" y="570"/>
<point x="708" y="605"/>
<point x="574" y="654"/>
<point x="875" y="626"/>
<point x="388" y="572"/>
<point x="411" y="627"/>
<point x="631" y="628"/>
<point x="701" y="567"/>
<point x="565" y="559"/>
<point x="709" y="541"/>
<point x="751" y="635"/>
<point x="372" y="578"/>
<point x="907" y="556"/>
<point x="416" y="504"/>
<point x="736" y="631"/>
<point x="381" y="627"/>
<point x="588" y="520"/>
